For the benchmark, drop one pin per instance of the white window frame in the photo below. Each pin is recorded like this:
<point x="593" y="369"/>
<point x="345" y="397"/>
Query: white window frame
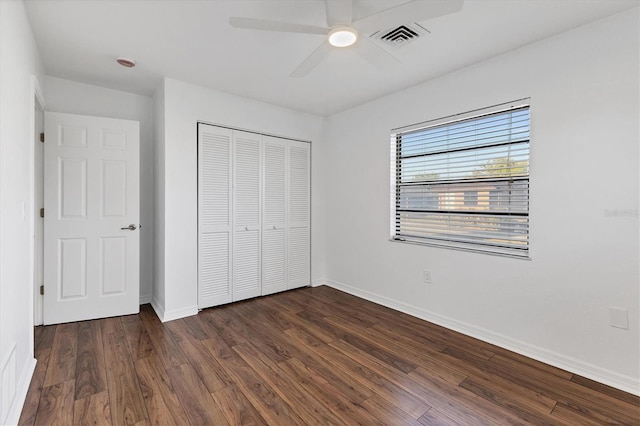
<point x="510" y="221"/>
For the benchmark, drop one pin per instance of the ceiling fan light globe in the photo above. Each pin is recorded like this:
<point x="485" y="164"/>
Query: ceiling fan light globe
<point x="343" y="36"/>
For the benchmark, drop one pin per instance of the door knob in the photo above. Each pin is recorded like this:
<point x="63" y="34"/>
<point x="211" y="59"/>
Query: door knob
<point x="131" y="227"/>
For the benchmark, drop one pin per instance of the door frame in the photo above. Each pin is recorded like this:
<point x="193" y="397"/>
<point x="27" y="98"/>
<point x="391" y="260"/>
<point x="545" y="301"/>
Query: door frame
<point x="36" y="305"/>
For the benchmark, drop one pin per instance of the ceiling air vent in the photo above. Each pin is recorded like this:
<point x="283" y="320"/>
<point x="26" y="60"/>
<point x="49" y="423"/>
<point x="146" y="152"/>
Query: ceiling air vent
<point x="401" y="35"/>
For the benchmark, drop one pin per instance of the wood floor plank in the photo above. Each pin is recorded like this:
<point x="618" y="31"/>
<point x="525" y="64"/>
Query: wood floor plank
<point x="64" y="351"/>
<point x="424" y="356"/>
<point x="311" y="411"/>
<point x="388" y="413"/>
<point x="237" y="408"/>
<point x="296" y="303"/>
<point x="90" y="369"/>
<point x="434" y="417"/>
<point x="168" y="351"/>
<point x="223" y="325"/>
<point x="354" y="390"/>
<point x="270" y="405"/>
<point x="198" y="328"/>
<point x="44" y="339"/>
<point x="56" y="404"/>
<point x="492" y="385"/>
<point x="207" y="366"/>
<point x="305" y="356"/>
<point x="125" y="396"/>
<point x="387" y="388"/>
<point x="536" y="380"/>
<point x="199" y="407"/>
<point x="571" y="416"/>
<point x="568" y="392"/>
<point x="138" y="338"/>
<point x="461" y="405"/>
<point x="240" y="331"/>
<point x="519" y="406"/>
<point x="354" y="338"/>
<point x="92" y="410"/>
<point x="260" y="334"/>
<point x="324" y="391"/>
<point x="272" y="315"/>
<point x="278" y="301"/>
<point x="607" y="390"/>
<point x="163" y="405"/>
<point x="317" y="332"/>
<point x="30" y="407"/>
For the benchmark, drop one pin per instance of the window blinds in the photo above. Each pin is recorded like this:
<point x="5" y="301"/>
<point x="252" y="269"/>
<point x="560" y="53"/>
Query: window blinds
<point x="463" y="182"/>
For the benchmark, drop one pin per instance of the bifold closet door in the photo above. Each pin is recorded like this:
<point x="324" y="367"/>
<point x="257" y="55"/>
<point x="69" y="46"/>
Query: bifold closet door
<point x="274" y="216"/>
<point x="214" y="215"/>
<point x="247" y="172"/>
<point x="299" y="215"/>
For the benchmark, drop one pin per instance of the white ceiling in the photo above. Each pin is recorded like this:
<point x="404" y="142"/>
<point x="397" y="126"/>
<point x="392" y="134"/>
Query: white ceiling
<point x="192" y="41"/>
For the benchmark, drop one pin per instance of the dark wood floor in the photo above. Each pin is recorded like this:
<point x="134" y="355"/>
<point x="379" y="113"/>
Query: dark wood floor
<point x="308" y="356"/>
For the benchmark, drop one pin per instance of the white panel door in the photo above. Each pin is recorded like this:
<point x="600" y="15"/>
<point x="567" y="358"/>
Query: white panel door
<point x="246" y="215"/>
<point x="299" y="215"/>
<point x="274" y="215"/>
<point x="92" y="213"/>
<point x="214" y="215"/>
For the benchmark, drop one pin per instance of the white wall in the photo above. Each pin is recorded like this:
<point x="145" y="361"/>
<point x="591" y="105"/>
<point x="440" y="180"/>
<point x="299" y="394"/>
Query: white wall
<point x="19" y="61"/>
<point x="79" y="98"/>
<point x="584" y="90"/>
<point x="184" y="106"/>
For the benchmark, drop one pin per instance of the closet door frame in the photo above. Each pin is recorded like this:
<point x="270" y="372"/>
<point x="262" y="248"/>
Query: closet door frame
<point x="230" y="294"/>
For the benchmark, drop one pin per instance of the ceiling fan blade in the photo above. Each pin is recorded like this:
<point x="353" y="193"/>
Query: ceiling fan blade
<point x="375" y="54"/>
<point x="406" y="13"/>
<point x="339" y="12"/>
<point x="312" y="60"/>
<point x="285" y="27"/>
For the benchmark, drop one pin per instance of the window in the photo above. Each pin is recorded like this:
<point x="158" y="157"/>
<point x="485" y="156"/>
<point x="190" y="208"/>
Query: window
<point x="470" y="198"/>
<point x="463" y="181"/>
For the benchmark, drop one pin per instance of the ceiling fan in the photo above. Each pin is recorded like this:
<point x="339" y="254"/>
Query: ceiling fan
<point x="342" y="31"/>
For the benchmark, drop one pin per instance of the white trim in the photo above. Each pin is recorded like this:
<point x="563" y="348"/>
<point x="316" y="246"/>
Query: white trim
<point x="157" y="307"/>
<point x="145" y="299"/>
<point x="37" y="100"/>
<point x="318" y="282"/>
<point x="166" y="316"/>
<point x="13" y="416"/>
<point x="593" y="372"/>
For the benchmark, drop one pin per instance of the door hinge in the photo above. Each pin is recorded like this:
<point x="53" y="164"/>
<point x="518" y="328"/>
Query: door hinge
<point x="42" y="212"/>
<point x="42" y="289"/>
<point x="42" y="137"/>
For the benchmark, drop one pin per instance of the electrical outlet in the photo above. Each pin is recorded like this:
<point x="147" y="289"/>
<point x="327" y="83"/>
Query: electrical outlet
<point x="426" y="276"/>
<point x="619" y="318"/>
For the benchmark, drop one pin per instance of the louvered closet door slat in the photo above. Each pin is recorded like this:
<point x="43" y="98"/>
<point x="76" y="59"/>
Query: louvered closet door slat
<point x="214" y="215"/>
<point x="299" y="237"/>
<point x="274" y="273"/>
<point x="247" y="207"/>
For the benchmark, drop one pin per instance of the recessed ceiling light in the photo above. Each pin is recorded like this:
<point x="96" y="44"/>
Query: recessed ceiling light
<point x="343" y="36"/>
<point x="129" y="63"/>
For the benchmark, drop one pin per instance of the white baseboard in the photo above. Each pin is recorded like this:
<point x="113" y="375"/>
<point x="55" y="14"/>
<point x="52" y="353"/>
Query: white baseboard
<point x="13" y="416"/>
<point x="601" y="375"/>
<point x="175" y="314"/>
<point x="157" y="307"/>
<point x="145" y="298"/>
<point x="318" y="282"/>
